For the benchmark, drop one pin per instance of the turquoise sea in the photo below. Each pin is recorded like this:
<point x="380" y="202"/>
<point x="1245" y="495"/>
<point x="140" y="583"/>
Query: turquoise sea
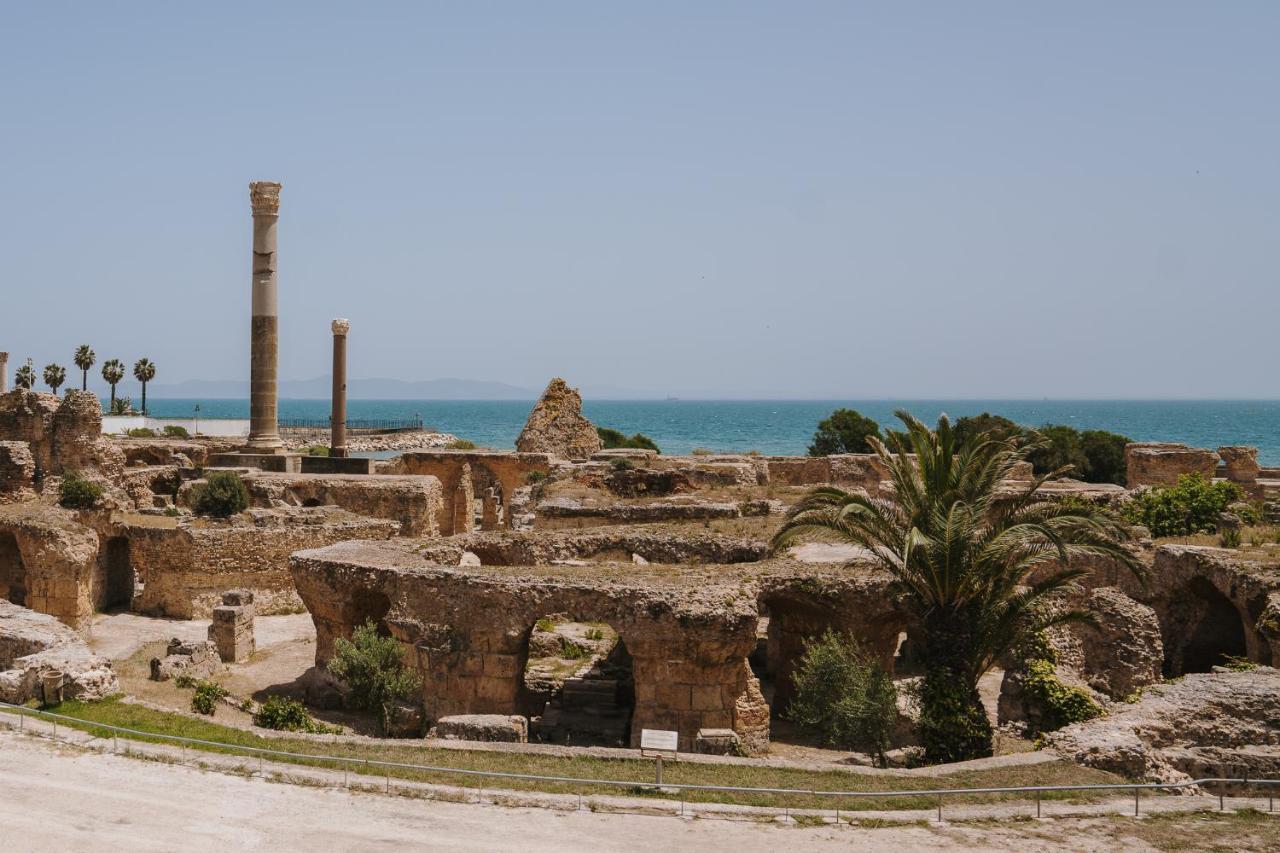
<point x="783" y="427"/>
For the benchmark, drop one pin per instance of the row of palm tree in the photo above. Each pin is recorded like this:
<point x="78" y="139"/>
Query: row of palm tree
<point x="113" y="372"/>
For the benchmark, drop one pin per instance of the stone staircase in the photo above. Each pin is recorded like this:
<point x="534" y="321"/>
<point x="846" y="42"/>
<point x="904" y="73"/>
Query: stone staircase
<point x="592" y="709"/>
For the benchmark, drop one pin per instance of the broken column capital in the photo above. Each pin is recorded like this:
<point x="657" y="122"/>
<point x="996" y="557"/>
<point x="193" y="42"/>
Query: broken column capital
<point x="341" y="326"/>
<point x="264" y="196"/>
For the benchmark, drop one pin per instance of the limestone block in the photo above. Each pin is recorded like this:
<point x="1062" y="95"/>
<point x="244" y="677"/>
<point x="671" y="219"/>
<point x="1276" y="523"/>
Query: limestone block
<point x="1241" y="463"/>
<point x="196" y="659"/>
<point x="500" y="728"/>
<point x="717" y="741"/>
<point x="232" y="626"/>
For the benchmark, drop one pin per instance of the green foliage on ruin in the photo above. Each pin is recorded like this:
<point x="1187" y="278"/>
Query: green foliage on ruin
<point x="1059" y="704"/>
<point x="373" y="668"/>
<point x="75" y="492"/>
<point x="612" y="439"/>
<point x="176" y="431"/>
<point x="285" y="714"/>
<point x="206" y="698"/>
<point x="460" y="444"/>
<point x="141" y="432"/>
<point x="222" y="495"/>
<point x="1191" y="506"/>
<point x="965" y="572"/>
<point x="316" y="450"/>
<point x="622" y="464"/>
<point x="844" y="693"/>
<point x="844" y="431"/>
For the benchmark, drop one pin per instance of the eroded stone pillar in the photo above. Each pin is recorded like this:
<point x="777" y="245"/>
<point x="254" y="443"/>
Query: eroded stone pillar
<point x="264" y="434"/>
<point x="4" y="372"/>
<point x="338" y="416"/>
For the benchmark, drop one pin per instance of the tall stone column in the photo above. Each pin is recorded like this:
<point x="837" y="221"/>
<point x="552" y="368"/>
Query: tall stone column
<point x="338" y="417"/>
<point x="264" y="433"/>
<point x="4" y="372"/>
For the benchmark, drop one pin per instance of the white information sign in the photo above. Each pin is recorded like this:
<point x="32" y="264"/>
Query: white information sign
<point x="658" y="739"/>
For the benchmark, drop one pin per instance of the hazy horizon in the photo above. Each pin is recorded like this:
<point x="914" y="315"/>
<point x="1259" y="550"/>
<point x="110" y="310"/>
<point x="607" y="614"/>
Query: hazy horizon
<point x="818" y="201"/>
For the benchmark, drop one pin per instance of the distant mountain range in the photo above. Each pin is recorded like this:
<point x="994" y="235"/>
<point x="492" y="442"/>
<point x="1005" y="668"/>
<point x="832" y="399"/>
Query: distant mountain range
<point x="371" y="389"/>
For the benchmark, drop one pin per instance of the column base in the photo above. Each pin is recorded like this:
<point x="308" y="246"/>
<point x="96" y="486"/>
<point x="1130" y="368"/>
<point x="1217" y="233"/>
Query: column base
<point x="284" y="463"/>
<point x="264" y="444"/>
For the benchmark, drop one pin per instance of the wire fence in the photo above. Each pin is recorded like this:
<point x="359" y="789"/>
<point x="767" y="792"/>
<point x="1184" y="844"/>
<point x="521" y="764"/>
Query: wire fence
<point x="669" y="789"/>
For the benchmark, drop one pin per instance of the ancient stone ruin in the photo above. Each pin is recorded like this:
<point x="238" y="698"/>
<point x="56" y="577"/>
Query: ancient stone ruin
<point x="556" y="425"/>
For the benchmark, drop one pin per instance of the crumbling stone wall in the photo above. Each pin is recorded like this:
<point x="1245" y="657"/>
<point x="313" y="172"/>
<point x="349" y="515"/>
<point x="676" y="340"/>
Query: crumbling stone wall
<point x="556" y="425"/>
<point x="414" y="501"/>
<point x="48" y="562"/>
<point x="62" y="434"/>
<point x="509" y="470"/>
<point x="32" y="644"/>
<point x="186" y="565"/>
<point x="617" y="544"/>
<point x="1156" y="464"/>
<point x="468" y="632"/>
<point x="17" y="471"/>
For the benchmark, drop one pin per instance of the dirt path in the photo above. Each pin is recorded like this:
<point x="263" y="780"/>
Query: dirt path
<point x="58" y="797"/>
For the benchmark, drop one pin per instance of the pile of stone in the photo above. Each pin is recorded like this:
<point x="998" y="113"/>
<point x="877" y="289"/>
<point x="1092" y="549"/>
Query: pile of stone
<point x="39" y="654"/>
<point x="196" y="659"/>
<point x="416" y="440"/>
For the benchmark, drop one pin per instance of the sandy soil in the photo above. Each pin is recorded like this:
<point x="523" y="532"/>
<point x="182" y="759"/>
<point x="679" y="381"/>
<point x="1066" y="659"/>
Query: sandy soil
<point x="58" y="797"/>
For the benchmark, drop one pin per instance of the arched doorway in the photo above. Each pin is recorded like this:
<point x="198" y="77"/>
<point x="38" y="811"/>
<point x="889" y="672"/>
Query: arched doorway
<point x="1210" y="630"/>
<point x="115" y="591"/>
<point x="13" y="574"/>
<point x="578" y="686"/>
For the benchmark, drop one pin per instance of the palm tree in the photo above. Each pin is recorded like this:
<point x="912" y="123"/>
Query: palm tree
<point x="25" y="376"/>
<point x="84" y="359"/>
<point x="977" y="565"/>
<point x="54" y="376"/>
<point x="112" y="373"/>
<point x="144" y="370"/>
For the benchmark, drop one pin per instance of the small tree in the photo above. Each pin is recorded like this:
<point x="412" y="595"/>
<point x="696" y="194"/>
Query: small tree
<point x="112" y="373"/>
<point x="845" y="431"/>
<point x="373" y="668"/>
<point x="121" y="406"/>
<point x="985" y="425"/>
<point x="54" y="376"/>
<point x="1191" y="506"/>
<point x="222" y="495"/>
<point x="84" y="359"/>
<point x="843" y="692"/>
<point x="611" y="439"/>
<point x="25" y="376"/>
<point x="144" y="370"/>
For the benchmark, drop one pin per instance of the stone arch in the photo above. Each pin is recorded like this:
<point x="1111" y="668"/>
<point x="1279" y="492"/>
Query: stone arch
<point x="577" y="684"/>
<point x="312" y="502"/>
<point x="1206" y="628"/>
<point x="13" y="572"/>
<point x="116" y="578"/>
<point x="369" y="605"/>
<point x="488" y="487"/>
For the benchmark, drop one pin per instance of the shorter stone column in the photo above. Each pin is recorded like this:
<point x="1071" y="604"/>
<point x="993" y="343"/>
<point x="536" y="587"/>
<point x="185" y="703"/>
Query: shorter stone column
<point x="338" y="415"/>
<point x="4" y="372"/>
<point x="463" y="496"/>
<point x="232" y="626"/>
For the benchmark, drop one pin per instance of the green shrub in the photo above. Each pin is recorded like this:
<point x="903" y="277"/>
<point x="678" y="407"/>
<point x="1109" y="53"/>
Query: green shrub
<point x="122" y="406"/>
<point x="1247" y="513"/>
<point x="595" y="634"/>
<point x="1192" y="506"/>
<point x="175" y="431"/>
<point x="536" y="477"/>
<point x="317" y="450"/>
<point x="622" y="464"/>
<point x="460" y="444"/>
<point x="1230" y="538"/>
<point x="1236" y="663"/>
<point x="222" y="495"/>
<point x="701" y="451"/>
<point x="844" y="693"/>
<point x="545" y="624"/>
<point x="284" y="714"/>
<point x="844" y="431"/>
<point x="75" y="492"/>
<point x="373" y="669"/>
<point x="141" y="432"/>
<point x="612" y="439"/>
<point x="986" y="424"/>
<point x="569" y="650"/>
<point x="207" y="696"/>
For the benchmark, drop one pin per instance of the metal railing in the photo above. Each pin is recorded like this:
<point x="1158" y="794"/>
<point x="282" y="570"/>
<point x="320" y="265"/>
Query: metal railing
<point x="657" y="786"/>
<point x="367" y="426"/>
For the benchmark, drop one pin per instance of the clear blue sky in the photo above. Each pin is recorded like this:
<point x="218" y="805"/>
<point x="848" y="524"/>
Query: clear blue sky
<point x="730" y="199"/>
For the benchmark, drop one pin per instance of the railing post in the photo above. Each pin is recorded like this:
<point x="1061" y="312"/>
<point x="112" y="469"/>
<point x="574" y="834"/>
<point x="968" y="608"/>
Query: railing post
<point x="939" y="807"/>
<point x="1037" y="802"/>
<point x="1136" y="791"/>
